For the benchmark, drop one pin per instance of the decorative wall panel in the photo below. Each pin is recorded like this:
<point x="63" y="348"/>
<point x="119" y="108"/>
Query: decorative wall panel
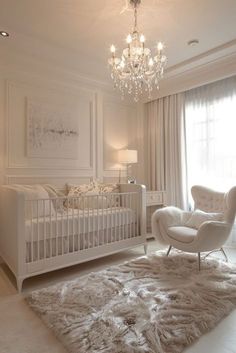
<point x="119" y="130"/>
<point x="49" y="129"/>
<point x="52" y="130"/>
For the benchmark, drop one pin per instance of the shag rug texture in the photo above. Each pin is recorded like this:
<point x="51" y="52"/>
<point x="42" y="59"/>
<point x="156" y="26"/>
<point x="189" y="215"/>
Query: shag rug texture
<point x="153" y="304"/>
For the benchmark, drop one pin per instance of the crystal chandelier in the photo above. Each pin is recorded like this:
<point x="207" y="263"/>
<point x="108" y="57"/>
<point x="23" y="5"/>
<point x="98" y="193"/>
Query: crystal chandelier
<point x="137" y="71"/>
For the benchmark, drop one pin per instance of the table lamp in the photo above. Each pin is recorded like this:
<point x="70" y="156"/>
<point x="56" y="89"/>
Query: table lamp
<point x="128" y="157"/>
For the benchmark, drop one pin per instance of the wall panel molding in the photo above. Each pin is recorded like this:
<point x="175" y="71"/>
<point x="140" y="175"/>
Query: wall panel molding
<point x="19" y="168"/>
<point x="16" y="93"/>
<point x="46" y="179"/>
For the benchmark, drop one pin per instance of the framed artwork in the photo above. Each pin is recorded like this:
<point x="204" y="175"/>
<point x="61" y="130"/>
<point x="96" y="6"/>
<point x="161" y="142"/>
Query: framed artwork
<point x="52" y="130"/>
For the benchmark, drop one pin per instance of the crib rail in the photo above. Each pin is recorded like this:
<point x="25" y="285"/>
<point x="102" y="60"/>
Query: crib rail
<point x="66" y="225"/>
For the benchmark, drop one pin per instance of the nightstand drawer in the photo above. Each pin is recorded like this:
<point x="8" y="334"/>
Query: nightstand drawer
<point x="154" y="198"/>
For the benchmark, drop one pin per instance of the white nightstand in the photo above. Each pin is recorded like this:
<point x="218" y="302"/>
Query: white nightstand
<point x="154" y="200"/>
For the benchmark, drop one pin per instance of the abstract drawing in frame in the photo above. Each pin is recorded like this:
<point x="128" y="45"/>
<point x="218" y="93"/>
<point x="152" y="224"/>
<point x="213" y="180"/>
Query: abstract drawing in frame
<point x="52" y="130"/>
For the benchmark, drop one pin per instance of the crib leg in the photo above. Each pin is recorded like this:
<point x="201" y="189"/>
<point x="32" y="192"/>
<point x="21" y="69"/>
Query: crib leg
<point x="145" y="246"/>
<point x="199" y="261"/>
<point x="168" y="251"/>
<point x="19" y="283"/>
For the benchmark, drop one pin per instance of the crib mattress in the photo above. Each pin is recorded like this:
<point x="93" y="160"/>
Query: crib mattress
<point x="77" y="222"/>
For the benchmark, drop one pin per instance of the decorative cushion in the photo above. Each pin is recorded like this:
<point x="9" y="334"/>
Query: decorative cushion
<point x="104" y="188"/>
<point x="198" y="217"/>
<point x="82" y="188"/>
<point x="92" y="196"/>
<point x="182" y="234"/>
<point x="113" y="201"/>
<point x="76" y="191"/>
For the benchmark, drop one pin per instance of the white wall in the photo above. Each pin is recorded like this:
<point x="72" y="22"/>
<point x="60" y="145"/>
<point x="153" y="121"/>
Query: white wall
<point x="106" y="124"/>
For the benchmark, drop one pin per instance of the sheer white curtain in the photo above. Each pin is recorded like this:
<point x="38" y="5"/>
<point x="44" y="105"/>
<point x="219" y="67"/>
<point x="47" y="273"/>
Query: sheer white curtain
<point x="165" y="148"/>
<point x="210" y="113"/>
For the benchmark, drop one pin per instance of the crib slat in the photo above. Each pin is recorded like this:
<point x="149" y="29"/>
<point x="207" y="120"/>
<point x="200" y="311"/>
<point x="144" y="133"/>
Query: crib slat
<point x="83" y="246"/>
<point x="93" y="230"/>
<point x="115" y="217"/>
<point x="56" y="238"/>
<point x="37" y="229"/>
<point x="107" y="224"/>
<point x="44" y="229"/>
<point x="73" y="226"/>
<point x="31" y="233"/>
<point x="98" y="218"/>
<point x="102" y="222"/>
<point x="62" y="234"/>
<point x="119" y="216"/>
<point x="123" y="233"/>
<point x="68" y="230"/>
<point x="130" y="217"/>
<point x="137" y="217"/>
<point x="110" y="216"/>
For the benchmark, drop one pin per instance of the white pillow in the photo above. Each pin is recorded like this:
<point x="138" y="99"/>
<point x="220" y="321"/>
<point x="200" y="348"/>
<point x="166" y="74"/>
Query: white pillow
<point x="58" y="197"/>
<point x="198" y="217"/>
<point x="35" y="209"/>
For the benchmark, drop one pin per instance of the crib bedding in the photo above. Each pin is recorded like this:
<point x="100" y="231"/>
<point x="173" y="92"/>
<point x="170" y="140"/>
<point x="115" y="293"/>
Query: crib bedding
<point x="69" y="244"/>
<point x="74" y="222"/>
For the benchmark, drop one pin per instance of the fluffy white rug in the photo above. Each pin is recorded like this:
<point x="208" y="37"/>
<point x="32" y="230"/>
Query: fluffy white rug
<point x="153" y="304"/>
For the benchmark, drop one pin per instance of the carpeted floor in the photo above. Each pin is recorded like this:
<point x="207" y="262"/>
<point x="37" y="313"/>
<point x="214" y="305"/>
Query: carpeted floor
<point x="151" y="304"/>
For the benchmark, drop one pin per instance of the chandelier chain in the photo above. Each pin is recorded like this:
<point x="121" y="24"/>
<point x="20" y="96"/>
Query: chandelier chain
<point x="135" y="19"/>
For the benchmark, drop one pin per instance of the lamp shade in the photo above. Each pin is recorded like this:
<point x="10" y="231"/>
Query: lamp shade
<point x="128" y="156"/>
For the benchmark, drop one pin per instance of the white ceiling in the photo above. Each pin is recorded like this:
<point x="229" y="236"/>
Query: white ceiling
<point x="77" y="33"/>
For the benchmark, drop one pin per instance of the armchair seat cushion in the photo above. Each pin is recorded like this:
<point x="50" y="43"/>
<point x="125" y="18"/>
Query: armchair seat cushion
<point x="182" y="234"/>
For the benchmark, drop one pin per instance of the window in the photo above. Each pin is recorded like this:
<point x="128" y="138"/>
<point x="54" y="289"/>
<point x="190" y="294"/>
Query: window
<point x="211" y="135"/>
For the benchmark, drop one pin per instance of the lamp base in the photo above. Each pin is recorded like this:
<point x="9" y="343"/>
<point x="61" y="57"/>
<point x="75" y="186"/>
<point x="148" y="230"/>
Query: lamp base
<point x="131" y="180"/>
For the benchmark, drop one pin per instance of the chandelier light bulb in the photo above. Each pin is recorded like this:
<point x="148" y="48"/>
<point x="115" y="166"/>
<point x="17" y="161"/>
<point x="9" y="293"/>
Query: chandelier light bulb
<point x="4" y="34"/>
<point x="113" y="49"/>
<point x="160" y="46"/>
<point x="142" y="38"/>
<point x="129" y="39"/>
<point x="150" y="63"/>
<point x="137" y="71"/>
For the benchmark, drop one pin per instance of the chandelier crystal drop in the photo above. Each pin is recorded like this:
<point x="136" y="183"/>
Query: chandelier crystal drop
<point x="137" y="71"/>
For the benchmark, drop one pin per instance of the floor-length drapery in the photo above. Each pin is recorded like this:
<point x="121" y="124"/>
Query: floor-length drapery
<point x="165" y="148"/>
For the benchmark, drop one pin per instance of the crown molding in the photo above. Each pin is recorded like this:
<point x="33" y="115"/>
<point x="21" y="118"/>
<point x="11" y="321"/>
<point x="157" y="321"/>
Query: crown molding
<point x="15" y="61"/>
<point x="219" y="53"/>
<point x="215" y="64"/>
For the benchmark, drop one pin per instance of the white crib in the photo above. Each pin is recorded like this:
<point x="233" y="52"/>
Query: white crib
<point x="35" y="237"/>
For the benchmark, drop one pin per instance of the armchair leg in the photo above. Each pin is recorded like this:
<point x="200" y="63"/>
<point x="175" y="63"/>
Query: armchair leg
<point x="223" y="252"/>
<point x="145" y="248"/>
<point x="199" y="261"/>
<point x="168" y="251"/>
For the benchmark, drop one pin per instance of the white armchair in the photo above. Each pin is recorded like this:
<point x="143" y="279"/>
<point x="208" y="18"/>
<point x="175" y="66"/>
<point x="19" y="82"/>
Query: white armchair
<point x="197" y="231"/>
